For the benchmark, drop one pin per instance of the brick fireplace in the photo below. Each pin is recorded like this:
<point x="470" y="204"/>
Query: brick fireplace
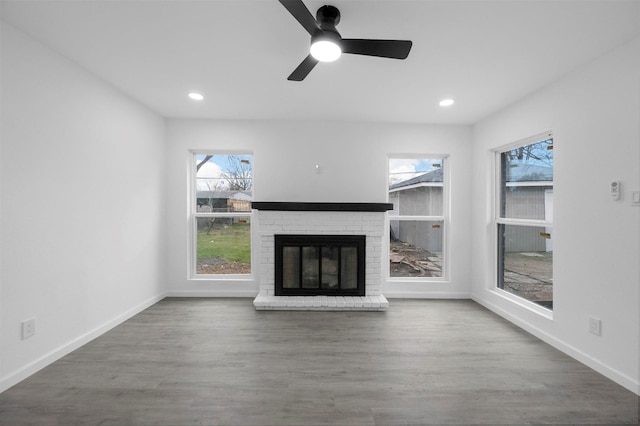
<point x="313" y="219"/>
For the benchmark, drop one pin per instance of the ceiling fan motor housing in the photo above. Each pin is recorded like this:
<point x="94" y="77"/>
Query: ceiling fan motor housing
<point x="328" y="17"/>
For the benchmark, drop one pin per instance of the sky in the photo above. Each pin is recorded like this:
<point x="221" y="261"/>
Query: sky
<point x="210" y="174"/>
<point x="401" y="169"/>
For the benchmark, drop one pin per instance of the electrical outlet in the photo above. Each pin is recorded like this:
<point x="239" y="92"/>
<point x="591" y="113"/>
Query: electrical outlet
<point x="595" y="326"/>
<point x="28" y="328"/>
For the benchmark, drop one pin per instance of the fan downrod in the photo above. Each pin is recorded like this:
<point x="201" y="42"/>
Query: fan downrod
<point x="328" y="17"/>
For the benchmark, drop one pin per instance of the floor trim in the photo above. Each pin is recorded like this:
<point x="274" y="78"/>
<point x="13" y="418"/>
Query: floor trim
<point x="401" y="294"/>
<point x="211" y="293"/>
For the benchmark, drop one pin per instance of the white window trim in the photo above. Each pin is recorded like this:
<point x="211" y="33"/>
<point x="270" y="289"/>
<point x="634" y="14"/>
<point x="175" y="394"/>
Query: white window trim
<point x="193" y="223"/>
<point x="498" y="220"/>
<point x="444" y="218"/>
<point x="523" y="222"/>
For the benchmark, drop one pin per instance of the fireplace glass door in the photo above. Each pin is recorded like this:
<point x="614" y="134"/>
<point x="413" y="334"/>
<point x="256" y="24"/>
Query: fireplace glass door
<point x="319" y="265"/>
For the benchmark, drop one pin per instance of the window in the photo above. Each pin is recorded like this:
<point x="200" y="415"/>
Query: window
<point x="417" y="224"/>
<point x="524" y="220"/>
<point x="221" y="214"/>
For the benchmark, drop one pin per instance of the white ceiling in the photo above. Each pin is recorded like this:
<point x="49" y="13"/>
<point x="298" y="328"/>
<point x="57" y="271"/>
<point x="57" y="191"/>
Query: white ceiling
<point x="238" y="53"/>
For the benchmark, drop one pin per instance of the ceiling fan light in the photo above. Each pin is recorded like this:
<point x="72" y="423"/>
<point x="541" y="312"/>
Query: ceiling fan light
<point x="325" y="50"/>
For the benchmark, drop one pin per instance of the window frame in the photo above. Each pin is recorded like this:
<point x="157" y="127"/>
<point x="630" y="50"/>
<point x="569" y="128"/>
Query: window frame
<point x="445" y="218"/>
<point x="498" y="220"/>
<point x="194" y="215"/>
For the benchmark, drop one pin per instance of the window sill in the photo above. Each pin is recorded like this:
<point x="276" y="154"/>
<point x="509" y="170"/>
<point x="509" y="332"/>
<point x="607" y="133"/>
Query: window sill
<point x="220" y="278"/>
<point x="418" y="280"/>
<point x="524" y="303"/>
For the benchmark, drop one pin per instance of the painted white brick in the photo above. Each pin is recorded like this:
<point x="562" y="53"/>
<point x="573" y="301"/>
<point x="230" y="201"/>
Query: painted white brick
<point x="370" y="224"/>
<point x="264" y="221"/>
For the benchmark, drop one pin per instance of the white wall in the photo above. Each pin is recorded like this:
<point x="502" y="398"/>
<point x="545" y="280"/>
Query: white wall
<point x="82" y="206"/>
<point x="353" y="158"/>
<point x="594" y="114"/>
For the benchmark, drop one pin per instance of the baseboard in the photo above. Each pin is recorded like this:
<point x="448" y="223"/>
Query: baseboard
<point x="622" y="379"/>
<point x="212" y="293"/>
<point x="33" y="367"/>
<point x="254" y="293"/>
<point x="390" y="294"/>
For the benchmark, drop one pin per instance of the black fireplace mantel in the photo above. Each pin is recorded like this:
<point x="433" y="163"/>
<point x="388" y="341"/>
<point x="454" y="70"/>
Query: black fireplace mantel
<point x="320" y="207"/>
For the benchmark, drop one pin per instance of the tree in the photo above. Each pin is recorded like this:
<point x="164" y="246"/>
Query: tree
<point x="541" y="152"/>
<point x="236" y="176"/>
<point x="239" y="174"/>
<point x="203" y="162"/>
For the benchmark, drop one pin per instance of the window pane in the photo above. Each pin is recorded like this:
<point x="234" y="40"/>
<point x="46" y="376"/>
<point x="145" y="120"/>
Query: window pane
<point x="310" y="267"/>
<point x="416" y="248"/>
<point x="330" y="256"/>
<point x="223" y="245"/>
<point x="349" y="267"/>
<point x="291" y="267"/>
<point x="224" y="183"/>
<point x="525" y="262"/>
<point x="527" y="181"/>
<point x="416" y="186"/>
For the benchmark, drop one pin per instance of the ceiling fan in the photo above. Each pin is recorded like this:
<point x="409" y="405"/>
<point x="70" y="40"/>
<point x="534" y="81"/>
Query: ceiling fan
<point x="326" y="43"/>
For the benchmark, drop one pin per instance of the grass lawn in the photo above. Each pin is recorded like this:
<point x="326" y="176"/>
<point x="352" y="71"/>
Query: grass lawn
<point x="230" y="242"/>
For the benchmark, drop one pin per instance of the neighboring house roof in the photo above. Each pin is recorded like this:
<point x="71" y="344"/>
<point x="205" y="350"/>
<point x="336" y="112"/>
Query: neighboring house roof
<point x="517" y="172"/>
<point x="434" y="176"/>
<point x="236" y="195"/>
<point x="520" y="172"/>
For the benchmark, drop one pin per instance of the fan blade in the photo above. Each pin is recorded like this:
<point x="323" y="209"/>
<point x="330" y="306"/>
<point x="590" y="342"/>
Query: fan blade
<point x="395" y="49"/>
<point x="302" y="15"/>
<point x="303" y="69"/>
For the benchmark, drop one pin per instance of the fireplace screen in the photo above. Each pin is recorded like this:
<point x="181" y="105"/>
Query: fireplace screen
<point x="319" y="265"/>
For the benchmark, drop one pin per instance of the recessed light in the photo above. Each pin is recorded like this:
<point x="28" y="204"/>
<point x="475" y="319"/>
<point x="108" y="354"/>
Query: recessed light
<point x="196" y="96"/>
<point x="447" y="102"/>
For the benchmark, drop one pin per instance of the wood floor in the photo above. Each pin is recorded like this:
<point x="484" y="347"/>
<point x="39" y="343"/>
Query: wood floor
<point x="218" y="361"/>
